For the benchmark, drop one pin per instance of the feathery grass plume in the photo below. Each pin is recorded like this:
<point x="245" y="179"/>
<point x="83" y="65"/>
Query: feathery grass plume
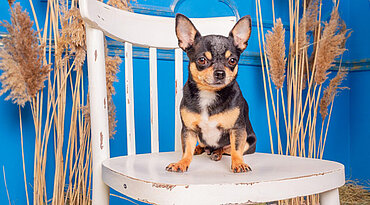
<point x="354" y="193"/>
<point x="308" y="3"/>
<point x="275" y="49"/>
<point x="22" y="57"/>
<point x="10" y="2"/>
<point x="73" y="36"/>
<point x="343" y="29"/>
<point x="307" y="24"/>
<point x="121" y="4"/>
<point x="329" y="46"/>
<point x="111" y="69"/>
<point x="331" y="91"/>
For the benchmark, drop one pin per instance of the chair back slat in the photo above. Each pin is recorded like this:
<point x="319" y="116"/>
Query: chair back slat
<point x="138" y="29"/>
<point x="129" y="86"/>
<point x="178" y="96"/>
<point x="153" y="100"/>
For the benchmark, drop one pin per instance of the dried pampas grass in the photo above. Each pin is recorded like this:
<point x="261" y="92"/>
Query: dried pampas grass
<point x="22" y="59"/>
<point x="73" y="37"/>
<point x="305" y="77"/>
<point x="331" y="91"/>
<point x="10" y="2"/>
<point x="353" y="193"/>
<point x="111" y="69"/>
<point x="275" y="49"/>
<point x="121" y="4"/>
<point x="25" y="68"/>
<point x="329" y="46"/>
<point x="307" y="24"/>
<point x="300" y="108"/>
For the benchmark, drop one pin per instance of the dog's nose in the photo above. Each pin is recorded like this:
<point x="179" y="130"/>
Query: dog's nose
<point x="219" y="74"/>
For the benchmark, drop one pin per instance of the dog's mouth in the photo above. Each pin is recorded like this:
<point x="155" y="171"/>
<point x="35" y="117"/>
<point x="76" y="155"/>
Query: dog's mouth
<point x="218" y="83"/>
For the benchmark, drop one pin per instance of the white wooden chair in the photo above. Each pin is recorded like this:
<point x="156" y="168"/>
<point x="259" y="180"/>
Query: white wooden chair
<point x="143" y="177"/>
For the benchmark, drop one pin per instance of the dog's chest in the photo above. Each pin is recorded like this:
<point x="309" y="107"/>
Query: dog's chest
<point x="210" y="132"/>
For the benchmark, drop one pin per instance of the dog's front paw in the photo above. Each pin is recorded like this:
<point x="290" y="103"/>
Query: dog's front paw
<point x="238" y="167"/>
<point x="177" y="167"/>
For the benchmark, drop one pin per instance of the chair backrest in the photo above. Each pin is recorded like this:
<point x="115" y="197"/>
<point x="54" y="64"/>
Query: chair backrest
<point x="133" y="29"/>
<point x="138" y="29"/>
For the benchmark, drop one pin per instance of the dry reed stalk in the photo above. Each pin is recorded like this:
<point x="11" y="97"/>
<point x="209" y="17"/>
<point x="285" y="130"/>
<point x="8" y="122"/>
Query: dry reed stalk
<point x="22" y="148"/>
<point x="328" y="98"/>
<point x="328" y="48"/>
<point x="260" y="38"/>
<point x="311" y="92"/>
<point x="124" y="198"/>
<point x="302" y="72"/>
<point x="264" y="63"/>
<point x="70" y="53"/>
<point x="24" y="68"/>
<point x="78" y="153"/>
<point x="6" y="186"/>
<point x="307" y="23"/>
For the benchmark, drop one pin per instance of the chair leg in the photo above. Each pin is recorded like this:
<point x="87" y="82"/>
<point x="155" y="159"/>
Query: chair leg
<point x="98" y="112"/>
<point x="330" y="197"/>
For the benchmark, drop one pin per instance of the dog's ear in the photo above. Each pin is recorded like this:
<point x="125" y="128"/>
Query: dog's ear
<point x="186" y="32"/>
<point x="241" y="32"/>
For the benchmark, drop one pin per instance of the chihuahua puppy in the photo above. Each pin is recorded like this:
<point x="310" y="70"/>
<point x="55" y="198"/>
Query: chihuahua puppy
<point x="213" y="109"/>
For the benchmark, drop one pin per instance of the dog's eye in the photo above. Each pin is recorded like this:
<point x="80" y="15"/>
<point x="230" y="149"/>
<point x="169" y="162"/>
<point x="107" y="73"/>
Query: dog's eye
<point x="232" y="61"/>
<point x="202" y="61"/>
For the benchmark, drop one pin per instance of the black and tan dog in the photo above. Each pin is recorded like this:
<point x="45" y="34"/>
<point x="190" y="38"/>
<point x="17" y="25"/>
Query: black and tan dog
<point x="213" y="109"/>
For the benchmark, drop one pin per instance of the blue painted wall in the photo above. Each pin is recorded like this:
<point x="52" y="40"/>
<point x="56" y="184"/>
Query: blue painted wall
<point x="348" y="138"/>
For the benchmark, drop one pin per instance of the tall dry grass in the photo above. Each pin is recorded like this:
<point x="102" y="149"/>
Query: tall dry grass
<point x="302" y="99"/>
<point x="44" y="68"/>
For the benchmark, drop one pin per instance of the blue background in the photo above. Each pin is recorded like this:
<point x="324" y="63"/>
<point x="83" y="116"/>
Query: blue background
<point x="349" y="134"/>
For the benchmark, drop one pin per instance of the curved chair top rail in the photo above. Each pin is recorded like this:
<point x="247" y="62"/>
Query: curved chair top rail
<point x="139" y="29"/>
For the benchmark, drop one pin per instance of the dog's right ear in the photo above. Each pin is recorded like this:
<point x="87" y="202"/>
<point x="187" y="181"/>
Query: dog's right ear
<point x="186" y="32"/>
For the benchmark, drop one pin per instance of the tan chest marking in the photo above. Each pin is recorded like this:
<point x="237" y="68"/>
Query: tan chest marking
<point x="226" y="119"/>
<point x="190" y="119"/>
<point x="210" y="125"/>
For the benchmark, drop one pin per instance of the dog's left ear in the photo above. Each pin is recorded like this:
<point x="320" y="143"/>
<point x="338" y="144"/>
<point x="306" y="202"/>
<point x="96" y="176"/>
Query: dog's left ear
<point x="241" y="32"/>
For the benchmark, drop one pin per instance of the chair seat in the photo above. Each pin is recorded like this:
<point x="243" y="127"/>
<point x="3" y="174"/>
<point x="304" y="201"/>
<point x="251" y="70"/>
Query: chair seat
<point x="273" y="177"/>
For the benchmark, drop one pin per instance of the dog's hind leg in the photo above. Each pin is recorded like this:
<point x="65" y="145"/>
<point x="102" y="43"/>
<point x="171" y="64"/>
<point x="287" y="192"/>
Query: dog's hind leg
<point x="199" y="150"/>
<point x="216" y="154"/>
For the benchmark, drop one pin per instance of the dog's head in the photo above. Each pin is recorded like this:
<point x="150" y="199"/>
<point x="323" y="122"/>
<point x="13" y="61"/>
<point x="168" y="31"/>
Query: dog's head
<point x="213" y="58"/>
